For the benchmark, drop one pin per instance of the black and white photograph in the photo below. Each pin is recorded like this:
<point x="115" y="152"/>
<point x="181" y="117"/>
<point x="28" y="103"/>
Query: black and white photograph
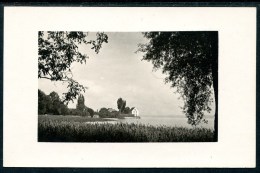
<point x="127" y="86"/>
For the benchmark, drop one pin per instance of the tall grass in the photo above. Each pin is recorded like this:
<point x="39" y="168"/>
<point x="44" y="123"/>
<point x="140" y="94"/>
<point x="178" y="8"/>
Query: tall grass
<point x="64" y="130"/>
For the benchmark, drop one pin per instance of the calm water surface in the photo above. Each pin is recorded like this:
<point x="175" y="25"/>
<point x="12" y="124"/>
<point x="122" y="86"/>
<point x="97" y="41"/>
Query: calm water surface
<point x="172" y="121"/>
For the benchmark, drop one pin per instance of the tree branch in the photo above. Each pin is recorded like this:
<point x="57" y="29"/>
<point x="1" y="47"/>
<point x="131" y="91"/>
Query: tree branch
<point x="49" y="78"/>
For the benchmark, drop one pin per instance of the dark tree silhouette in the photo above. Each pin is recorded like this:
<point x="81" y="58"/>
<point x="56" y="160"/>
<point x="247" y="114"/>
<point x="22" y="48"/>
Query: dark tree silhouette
<point x="91" y="112"/>
<point x="121" y="105"/>
<point x="103" y="112"/>
<point x="51" y="104"/>
<point x="190" y="60"/>
<point x="42" y="102"/>
<point x="81" y="108"/>
<point x="127" y="110"/>
<point x="57" y="51"/>
<point x="56" y="103"/>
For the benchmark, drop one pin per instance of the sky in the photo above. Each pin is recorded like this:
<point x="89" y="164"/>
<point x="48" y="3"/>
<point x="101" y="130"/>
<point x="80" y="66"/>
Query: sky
<point x="118" y="71"/>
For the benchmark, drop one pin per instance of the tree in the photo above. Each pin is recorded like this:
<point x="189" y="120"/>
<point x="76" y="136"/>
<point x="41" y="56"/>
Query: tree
<point x="121" y="105"/>
<point x="91" y="112"/>
<point x="57" y="51"/>
<point x="64" y="109"/>
<point x="51" y="104"/>
<point x="114" y="114"/>
<point x="190" y="60"/>
<point x="72" y="111"/>
<point x="56" y="103"/>
<point x="81" y="108"/>
<point x="42" y="105"/>
<point x="103" y="112"/>
<point x="127" y="110"/>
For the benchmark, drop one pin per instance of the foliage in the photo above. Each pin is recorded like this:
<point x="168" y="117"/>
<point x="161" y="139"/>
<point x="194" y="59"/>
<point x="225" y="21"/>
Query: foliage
<point x="72" y="111"/>
<point x="189" y="59"/>
<point x="91" y="112"/>
<point x="121" y="105"/>
<point x="56" y="103"/>
<point x="58" y="50"/>
<point x="42" y="102"/>
<point x="81" y="103"/>
<point x="113" y="114"/>
<point x="104" y="113"/>
<point x="67" y="129"/>
<point x="127" y="110"/>
<point x="51" y="104"/>
<point x="80" y="107"/>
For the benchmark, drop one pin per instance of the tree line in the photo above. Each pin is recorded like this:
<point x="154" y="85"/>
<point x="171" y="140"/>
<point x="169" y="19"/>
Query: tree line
<point x="123" y="109"/>
<point x="52" y="105"/>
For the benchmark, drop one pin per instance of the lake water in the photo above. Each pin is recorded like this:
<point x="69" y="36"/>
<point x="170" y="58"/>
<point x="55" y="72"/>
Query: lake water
<point x="170" y="121"/>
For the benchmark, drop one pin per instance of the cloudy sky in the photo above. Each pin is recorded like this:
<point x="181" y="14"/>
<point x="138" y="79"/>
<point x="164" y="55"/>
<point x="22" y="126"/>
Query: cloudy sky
<point x="117" y="71"/>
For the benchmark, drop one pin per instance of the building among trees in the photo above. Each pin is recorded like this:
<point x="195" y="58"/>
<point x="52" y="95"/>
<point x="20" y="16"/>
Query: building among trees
<point x="135" y="112"/>
<point x="111" y="110"/>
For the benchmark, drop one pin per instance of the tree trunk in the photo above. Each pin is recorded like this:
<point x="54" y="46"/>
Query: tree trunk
<point x="214" y="44"/>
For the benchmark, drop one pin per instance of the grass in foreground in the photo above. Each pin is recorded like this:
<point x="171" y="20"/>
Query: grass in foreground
<point x="65" y="129"/>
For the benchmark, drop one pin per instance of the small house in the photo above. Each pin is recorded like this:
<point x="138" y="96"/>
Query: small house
<point x="95" y="116"/>
<point x="135" y="112"/>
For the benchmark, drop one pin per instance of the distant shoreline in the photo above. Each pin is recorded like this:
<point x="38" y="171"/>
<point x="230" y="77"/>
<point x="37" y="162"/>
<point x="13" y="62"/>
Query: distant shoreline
<point x="113" y="119"/>
<point x="171" y="116"/>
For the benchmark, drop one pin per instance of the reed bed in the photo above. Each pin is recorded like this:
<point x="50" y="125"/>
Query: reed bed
<point x="72" y="129"/>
